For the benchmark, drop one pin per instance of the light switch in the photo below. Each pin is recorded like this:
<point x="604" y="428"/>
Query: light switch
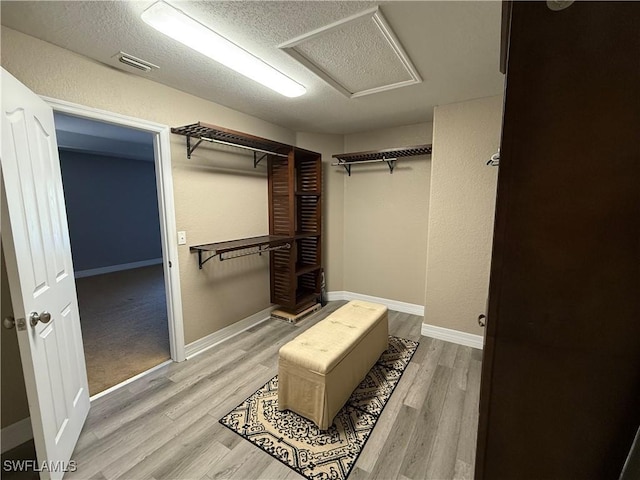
<point x="182" y="238"/>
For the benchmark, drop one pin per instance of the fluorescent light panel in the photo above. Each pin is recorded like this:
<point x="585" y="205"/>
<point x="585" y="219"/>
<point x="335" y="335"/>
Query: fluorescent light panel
<point x="177" y="25"/>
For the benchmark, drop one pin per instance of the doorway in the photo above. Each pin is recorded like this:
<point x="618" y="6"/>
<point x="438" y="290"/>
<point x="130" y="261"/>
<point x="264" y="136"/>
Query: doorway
<point x="150" y="282"/>
<point x="109" y="181"/>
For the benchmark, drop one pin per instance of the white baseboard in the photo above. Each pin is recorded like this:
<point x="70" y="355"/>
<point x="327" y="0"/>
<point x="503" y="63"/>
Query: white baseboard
<point x="441" y="333"/>
<point x="453" y="336"/>
<point x="117" y="268"/>
<point x="395" y="305"/>
<point x="16" y="434"/>
<point x="334" y="296"/>
<point x="226" y="333"/>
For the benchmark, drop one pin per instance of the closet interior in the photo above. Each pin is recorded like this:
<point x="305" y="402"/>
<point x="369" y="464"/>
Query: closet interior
<point x="294" y="242"/>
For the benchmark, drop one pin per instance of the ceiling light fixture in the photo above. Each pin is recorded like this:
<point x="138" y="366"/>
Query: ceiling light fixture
<point x="179" y="26"/>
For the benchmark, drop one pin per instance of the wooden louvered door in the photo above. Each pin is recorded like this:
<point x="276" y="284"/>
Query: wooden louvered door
<point x="308" y="215"/>
<point x="295" y="211"/>
<point x="282" y="223"/>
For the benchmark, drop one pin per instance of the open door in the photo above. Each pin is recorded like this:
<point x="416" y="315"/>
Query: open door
<point x="43" y="292"/>
<point x="560" y="390"/>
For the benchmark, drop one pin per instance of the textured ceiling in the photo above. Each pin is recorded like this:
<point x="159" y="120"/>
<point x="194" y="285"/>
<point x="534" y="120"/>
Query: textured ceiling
<point x="453" y="45"/>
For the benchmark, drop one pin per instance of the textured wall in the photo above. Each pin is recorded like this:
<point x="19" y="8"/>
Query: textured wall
<point x="14" y="397"/>
<point x="332" y="205"/>
<point x="218" y="195"/>
<point x="112" y="209"/>
<point x="463" y="192"/>
<point x="385" y="217"/>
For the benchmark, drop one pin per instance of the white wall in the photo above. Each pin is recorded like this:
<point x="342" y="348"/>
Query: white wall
<point x="461" y="212"/>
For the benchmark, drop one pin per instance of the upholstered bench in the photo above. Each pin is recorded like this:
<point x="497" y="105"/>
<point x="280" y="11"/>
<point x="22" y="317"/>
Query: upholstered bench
<point x="319" y="369"/>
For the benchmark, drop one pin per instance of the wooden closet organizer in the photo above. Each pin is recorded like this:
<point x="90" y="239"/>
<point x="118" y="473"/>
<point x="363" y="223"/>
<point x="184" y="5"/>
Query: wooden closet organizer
<point x="294" y="242"/>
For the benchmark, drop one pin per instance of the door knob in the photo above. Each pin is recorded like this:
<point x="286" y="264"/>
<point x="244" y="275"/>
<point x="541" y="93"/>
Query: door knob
<point x="34" y="318"/>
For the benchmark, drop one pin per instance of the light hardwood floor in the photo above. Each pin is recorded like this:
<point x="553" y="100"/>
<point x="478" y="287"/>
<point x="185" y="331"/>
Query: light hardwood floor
<point x="165" y="425"/>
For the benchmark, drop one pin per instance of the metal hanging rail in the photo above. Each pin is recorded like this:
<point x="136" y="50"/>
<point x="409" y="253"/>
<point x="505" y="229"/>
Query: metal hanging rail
<point x="266" y="152"/>
<point x="390" y="156"/>
<point x="260" y="251"/>
<point x="391" y="162"/>
<point x="256" y="245"/>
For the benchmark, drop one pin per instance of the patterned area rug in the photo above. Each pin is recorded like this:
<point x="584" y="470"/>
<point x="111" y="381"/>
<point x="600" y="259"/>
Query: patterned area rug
<point x="298" y="443"/>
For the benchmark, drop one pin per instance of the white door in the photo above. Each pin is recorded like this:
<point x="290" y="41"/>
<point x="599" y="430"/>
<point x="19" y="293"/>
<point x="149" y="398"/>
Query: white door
<point x="35" y="237"/>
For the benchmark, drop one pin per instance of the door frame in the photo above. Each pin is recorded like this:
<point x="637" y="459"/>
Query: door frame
<point x="164" y="182"/>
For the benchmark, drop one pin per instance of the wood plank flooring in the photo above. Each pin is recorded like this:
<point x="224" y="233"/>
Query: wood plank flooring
<point x="165" y="425"/>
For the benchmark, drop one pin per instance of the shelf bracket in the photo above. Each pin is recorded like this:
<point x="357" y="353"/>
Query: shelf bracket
<point x="201" y="262"/>
<point x="346" y="166"/>
<point x="391" y="162"/>
<point x="191" y="149"/>
<point x="256" y="160"/>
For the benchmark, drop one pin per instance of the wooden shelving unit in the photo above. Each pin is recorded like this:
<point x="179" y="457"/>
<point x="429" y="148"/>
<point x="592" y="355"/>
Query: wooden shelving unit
<point x="390" y="156"/>
<point x="294" y="242"/>
<point x="295" y="210"/>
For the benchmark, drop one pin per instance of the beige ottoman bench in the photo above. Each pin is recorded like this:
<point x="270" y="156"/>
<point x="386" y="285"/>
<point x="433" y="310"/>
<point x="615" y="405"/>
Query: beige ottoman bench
<point x="319" y="369"/>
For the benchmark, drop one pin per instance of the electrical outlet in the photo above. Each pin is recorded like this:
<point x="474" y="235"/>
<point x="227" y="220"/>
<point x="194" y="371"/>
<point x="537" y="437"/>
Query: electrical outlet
<point x="182" y="238"/>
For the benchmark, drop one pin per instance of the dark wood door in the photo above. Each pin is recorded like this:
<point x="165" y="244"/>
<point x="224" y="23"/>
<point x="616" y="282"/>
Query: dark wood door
<point x="560" y="395"/>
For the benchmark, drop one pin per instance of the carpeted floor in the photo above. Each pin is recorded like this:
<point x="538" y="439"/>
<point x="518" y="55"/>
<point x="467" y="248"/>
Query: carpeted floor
<point x="123" y="316"/>
<point x="299" y="443"/>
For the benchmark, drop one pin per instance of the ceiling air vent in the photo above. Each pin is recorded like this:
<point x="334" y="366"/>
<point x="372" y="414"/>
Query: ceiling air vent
<point x="135" y="62"/>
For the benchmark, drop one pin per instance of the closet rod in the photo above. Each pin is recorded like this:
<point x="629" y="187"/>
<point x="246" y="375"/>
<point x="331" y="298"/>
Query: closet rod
<point x="391" y="163"/>
<point x="213" y="140"/>
<point x="358" y="162"/>
<point x="286" y="246"/>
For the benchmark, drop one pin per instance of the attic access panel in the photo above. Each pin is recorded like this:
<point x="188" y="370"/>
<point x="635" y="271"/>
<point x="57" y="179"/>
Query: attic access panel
<point x="359" y="55"/>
